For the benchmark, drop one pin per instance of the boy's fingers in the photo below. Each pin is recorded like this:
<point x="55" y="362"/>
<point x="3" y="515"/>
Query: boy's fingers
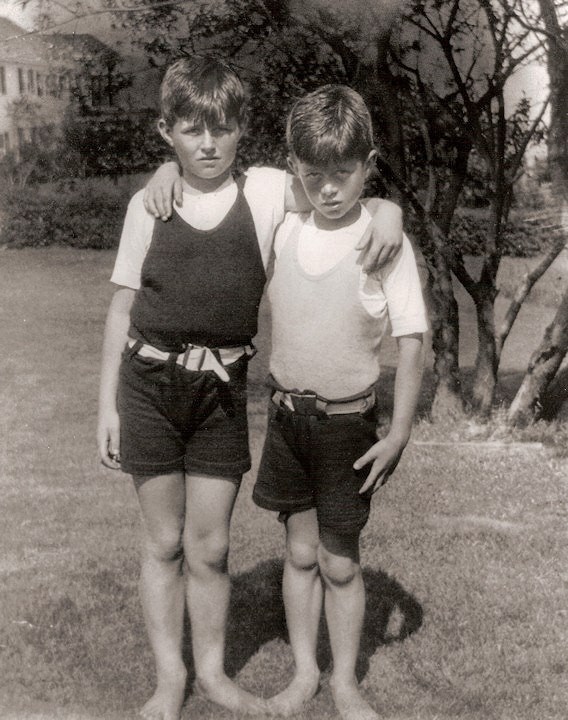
<point x="373" y="261"/>
<point x="363" y="460"/>
<point x="109" y="449"/>
<point x="178" y="192"/>
<point x="364" y="241"/>
<point x="374" y="481"/>
<point x="162" y="205"/>
<point x="149" y="204"/>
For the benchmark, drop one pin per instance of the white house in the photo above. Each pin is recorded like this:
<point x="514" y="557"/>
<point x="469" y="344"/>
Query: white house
<point x="40" y="75"/>
<point x="32" y="97"/>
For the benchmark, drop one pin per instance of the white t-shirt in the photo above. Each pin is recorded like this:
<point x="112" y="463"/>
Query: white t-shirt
<point x="319" y="251"/>
<point x="264" y="190"/>
<point x="328" y="316"/>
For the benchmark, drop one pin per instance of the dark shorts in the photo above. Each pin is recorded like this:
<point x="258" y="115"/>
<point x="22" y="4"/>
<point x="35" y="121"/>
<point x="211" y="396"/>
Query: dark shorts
<point x="307" y="462"/>
<point x="173" y="419"/>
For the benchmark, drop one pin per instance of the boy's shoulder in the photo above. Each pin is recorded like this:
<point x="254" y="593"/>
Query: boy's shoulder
<point x="260" y="172"/>
<point x="136" y="207"/>
<point x="137" y="200"/>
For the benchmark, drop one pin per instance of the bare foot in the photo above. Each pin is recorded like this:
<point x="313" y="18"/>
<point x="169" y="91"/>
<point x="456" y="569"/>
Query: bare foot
<point x="291" y="700"/>
<point x="167" y="701"/>
<point x="350" y="703"/>
<point x="223" y="691"/>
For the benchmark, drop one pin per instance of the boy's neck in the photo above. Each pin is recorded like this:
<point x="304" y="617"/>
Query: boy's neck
<point x="350" y="217"/>
<point x="192" y="183"/>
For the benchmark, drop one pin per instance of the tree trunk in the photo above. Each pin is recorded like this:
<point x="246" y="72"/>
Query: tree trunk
<point x="485" y="373"/>
<point x="542" y="368"/>
<point x="447" y="401"/>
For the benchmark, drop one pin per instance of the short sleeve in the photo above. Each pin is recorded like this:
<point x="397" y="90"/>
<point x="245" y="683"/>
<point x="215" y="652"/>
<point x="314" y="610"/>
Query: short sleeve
<point x="399" y="294"/>
<point x="134" y="243"/>
<point x="265" y="192"/>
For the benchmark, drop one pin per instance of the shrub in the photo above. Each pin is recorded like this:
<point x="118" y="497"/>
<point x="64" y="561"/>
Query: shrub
<point x="78" y="213"/>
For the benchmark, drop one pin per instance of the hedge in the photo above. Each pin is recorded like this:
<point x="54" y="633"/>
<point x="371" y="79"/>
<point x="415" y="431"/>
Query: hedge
<point x="82" y="214"/>
<point x="89" y="213"/>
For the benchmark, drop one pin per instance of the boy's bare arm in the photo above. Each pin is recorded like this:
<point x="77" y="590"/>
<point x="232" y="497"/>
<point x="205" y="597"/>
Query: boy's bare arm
<point x="383" y="238"/>
<point x="115" y="337"/>
<point x="163" y="189"/>
<point x="385" y="454"/>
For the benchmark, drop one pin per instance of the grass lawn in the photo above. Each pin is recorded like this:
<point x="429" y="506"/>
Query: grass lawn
<point x="465" y="557"/>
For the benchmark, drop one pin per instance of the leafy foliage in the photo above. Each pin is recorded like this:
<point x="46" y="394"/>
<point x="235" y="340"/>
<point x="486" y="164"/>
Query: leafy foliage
<point x="82" y="214"/>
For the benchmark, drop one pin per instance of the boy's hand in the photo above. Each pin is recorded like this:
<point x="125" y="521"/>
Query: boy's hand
<point x="108" y="439"/>
<point x="384" y="455"/>
<point x="383" y="238"/>
<point x="163" y="187"/>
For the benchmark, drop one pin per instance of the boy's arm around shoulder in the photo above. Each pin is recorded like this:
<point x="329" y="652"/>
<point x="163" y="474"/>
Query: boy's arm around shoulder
<point x="163" y="189"/>
<point x="115" y="337"/>
<point x="382" y="240"/>
<point x="385" y="454"/>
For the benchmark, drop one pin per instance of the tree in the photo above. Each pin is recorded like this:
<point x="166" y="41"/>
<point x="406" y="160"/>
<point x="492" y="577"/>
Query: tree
<point x="547" y="358"/>
<point x="475" y="48"/>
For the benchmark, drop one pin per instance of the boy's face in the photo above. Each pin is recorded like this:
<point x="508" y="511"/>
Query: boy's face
<point x="333" y="189"/>
<point x="204" y="153"/>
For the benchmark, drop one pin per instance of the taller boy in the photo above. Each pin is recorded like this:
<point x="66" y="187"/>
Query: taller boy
<point x="173" y="382"/>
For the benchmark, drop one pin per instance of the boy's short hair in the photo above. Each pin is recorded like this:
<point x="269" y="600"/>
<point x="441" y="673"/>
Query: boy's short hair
<point x="330" y="124"/>
<point x="205" y="89"/>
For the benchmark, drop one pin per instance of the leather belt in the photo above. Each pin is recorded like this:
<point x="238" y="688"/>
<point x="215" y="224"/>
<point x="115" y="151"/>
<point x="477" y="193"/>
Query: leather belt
<point x="312" y="404"/>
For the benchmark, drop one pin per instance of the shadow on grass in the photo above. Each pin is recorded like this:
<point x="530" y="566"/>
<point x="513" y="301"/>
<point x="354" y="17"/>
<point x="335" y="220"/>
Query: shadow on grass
<point x="256" y="617"/>
<point x="88" y="646"/>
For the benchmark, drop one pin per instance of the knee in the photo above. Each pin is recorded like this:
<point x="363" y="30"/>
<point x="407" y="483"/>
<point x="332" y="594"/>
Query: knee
<point x="302" y="555"/>
<point x="335" y="569"/>
<point x="210" y="550"/>
<point x="165" y="545"/>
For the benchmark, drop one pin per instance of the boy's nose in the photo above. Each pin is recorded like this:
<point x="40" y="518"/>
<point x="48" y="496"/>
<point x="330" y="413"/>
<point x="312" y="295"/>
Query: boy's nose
<point x="207" y="142"/>
<point x="328" y="190"/>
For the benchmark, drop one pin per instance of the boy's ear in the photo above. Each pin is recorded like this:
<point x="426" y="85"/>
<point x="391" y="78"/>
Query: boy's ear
<point x="164" y="132"/>
<point x="370" y="162"/>
<point x="292" y="164"/>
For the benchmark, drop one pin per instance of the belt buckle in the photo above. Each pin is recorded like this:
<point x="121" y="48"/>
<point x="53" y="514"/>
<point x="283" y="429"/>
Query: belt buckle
<point x="305" y="403"/>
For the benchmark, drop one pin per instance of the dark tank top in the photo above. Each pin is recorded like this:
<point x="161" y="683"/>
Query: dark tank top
<point x="200" y="286"/>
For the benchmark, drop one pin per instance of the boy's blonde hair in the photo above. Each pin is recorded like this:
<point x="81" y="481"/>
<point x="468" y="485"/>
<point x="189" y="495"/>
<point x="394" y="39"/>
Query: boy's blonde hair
<point x="204" y="89"/>
<point x="330" y="124"/>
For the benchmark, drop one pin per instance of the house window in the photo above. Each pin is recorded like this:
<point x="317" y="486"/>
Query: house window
<point x="39" y="84"/>
<point x="51" y="85"/>
<point x="31" y="84"/>
<point x="21" y="82"/>
<point x="4" y="144"/>
<point x="21" y="137"/>
<point x="2" y="80"/>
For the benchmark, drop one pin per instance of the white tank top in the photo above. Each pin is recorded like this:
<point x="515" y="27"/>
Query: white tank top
<point x="323" y="338"/>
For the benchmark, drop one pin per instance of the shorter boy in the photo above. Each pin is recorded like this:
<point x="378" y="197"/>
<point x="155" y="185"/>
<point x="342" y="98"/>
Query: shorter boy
<point x="328" y="319"/>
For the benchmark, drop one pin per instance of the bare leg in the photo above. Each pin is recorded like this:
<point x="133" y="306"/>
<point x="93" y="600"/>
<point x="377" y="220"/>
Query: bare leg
<point x="344" y="610"/>
<point x="302" y="592"/>
<point x="209" y="505"/>
<point x="162" y="501"/>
